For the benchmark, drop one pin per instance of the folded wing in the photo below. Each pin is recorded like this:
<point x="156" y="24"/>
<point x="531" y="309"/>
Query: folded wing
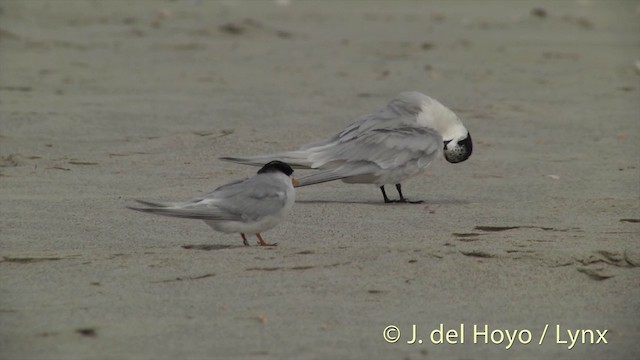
<point x="367" y="152"/>
<point x="245" y="200"/>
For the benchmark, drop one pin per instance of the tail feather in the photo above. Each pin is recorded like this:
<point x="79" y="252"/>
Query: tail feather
<point x="320" y="177"/>
<point x="154" y="204"/>
<point x="176" y="210"/>
<point x="153" y="207"/>
<point x="179" y="213"/>
<point x="349" y="172"/>
<point x="295" y="159"/>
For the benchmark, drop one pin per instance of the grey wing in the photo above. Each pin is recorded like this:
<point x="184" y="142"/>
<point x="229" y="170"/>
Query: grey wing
<point x="353" y="130"/>
<point x="252" y="198"/>
<point x="374" y="151"/>
<point x="246" y="199"/>
<point x="385" y="147"/>
<point x="400" y="112"/>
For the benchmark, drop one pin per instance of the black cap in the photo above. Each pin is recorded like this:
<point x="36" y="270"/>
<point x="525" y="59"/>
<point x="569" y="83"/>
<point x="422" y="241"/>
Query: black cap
<point x="276" y="165"/>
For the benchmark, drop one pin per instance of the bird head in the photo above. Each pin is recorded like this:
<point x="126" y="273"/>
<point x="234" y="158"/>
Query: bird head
<point x="279" y="166"/>
<point x="458" y="149"/>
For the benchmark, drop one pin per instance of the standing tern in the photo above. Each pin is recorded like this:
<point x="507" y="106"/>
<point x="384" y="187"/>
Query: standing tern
<point x="248" y="206"/>
<point x="385" y="147"/>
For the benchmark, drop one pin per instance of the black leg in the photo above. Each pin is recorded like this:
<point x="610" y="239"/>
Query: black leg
<point x="384" y="194"/>
<point x="403" y="199"/>
<point x="399" y="188"/>
<point x="244" y="240"/>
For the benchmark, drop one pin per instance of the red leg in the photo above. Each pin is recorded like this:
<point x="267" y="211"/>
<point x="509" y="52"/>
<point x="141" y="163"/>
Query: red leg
<point x="244" y="240"/>
<point x="261" y="241"/>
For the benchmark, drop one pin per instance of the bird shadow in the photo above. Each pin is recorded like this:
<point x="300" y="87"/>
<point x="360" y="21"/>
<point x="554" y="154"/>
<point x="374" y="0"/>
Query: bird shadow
<point x="381" y="203"/>
<point x="210" y="247"/>
<point x="340" y="202"/>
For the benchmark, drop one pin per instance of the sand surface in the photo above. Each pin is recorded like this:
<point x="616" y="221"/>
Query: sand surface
<point x="102" y="102"/>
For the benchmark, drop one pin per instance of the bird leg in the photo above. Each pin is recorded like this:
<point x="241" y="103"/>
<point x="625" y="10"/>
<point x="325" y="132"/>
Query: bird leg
<point x="402" y="198"/>
<point x="261" y="241"/>
<point x="244" y="240"/>
<point x="384" y="194"/>
<point x="405" y="200"/>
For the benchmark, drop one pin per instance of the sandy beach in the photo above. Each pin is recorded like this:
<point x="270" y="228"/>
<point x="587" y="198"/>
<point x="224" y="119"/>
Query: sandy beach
<point x="104" y="102"/>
